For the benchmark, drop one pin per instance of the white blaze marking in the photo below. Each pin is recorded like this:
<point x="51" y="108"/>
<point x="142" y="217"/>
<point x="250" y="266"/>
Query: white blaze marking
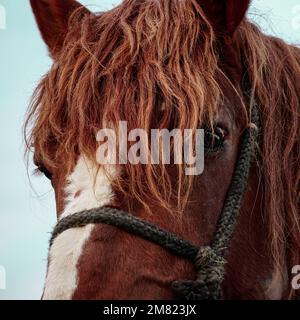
<point x="83" y="192"/>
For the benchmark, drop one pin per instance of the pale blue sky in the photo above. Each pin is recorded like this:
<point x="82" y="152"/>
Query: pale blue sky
<point x="27" y="218"/>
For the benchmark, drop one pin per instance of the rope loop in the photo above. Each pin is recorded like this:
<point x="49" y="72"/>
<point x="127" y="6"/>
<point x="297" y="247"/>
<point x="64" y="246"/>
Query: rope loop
<point x="207" y="286"/>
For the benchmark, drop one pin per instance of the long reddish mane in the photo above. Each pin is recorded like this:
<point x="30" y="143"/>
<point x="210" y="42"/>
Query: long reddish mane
<point x="274" y="68"/>
<point x="126" y="63"/>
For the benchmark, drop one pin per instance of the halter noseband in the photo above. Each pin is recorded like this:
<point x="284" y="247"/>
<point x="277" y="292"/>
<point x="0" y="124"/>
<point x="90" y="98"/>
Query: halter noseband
<point x="208" y="261"/>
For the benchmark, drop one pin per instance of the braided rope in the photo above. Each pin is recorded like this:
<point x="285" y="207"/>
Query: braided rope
<point x="238" y="186"/>
<point x="209" y="261"/>
<point x="130" y="224"/>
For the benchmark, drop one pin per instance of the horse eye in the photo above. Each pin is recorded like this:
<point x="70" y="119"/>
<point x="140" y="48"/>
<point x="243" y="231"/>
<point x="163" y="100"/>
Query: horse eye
<point x="213" y="140"/>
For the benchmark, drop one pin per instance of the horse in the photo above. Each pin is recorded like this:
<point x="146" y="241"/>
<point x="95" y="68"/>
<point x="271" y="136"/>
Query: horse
<point x="167" y="64"/>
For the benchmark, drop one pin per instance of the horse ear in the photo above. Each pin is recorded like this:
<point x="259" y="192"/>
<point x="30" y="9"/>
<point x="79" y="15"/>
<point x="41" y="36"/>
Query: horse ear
<point x="225" y="15"/>
<point x="52" y="17"/>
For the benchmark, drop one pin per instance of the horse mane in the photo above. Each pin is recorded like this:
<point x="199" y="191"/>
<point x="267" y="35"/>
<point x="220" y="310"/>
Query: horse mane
<point x="274" y="70"/>
<point x="125" y="63"/>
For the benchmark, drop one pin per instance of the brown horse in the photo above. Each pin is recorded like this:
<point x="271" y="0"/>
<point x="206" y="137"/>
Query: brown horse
<point x="167" y="64"/>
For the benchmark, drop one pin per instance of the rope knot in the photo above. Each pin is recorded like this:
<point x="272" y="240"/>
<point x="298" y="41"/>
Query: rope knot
<point x="208" y="257"/>
<point x="207" y="286"/>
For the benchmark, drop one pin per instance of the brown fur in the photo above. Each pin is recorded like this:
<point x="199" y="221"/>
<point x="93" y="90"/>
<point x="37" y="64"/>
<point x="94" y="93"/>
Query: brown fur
<point x="123" y="65"/>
